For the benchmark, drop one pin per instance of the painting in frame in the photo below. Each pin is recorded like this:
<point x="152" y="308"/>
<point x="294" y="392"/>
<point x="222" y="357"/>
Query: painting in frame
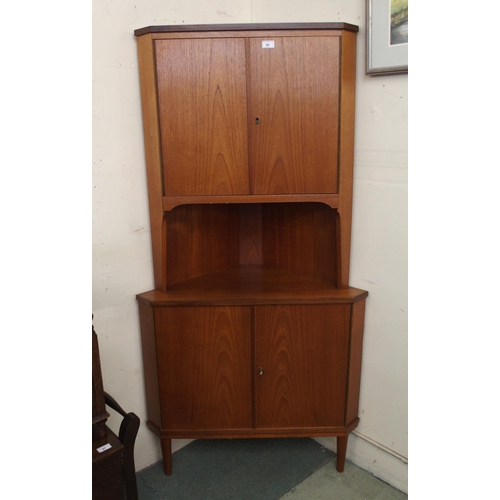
<point x="387" y="37"/>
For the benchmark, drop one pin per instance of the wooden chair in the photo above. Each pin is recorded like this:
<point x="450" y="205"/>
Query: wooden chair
<point x="113" y="466"/>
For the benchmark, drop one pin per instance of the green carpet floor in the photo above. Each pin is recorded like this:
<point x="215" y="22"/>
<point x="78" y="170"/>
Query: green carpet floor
<point x="239" y="469"/>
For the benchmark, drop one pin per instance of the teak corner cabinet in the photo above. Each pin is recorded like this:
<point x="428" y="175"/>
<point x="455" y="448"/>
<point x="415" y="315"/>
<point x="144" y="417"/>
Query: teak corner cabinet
<point x="252" y="329"/>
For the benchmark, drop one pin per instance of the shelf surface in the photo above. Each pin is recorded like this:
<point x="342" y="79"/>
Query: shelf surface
<point x="252" y="285"/>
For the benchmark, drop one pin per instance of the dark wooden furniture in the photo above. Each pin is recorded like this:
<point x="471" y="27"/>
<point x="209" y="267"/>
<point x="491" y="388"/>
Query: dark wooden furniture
<point x="113" y="466"/>
<point x="252" y="329"/>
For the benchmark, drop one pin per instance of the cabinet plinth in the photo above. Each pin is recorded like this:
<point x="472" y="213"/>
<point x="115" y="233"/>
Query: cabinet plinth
<point x="252" y="329"/>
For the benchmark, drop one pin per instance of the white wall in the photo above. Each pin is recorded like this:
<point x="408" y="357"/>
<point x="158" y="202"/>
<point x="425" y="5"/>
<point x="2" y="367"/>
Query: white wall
<point x="121" y="239"/>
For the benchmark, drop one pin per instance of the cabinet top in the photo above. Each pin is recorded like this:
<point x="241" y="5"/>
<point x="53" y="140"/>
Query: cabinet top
<point x="181" y="28"/>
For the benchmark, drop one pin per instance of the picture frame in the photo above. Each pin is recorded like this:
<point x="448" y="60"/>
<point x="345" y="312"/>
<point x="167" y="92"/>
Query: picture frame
<point x="386" y="37"/>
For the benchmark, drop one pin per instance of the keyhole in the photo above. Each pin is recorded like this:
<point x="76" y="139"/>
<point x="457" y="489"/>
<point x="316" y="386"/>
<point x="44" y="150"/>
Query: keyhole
<point x="257" y="121"/>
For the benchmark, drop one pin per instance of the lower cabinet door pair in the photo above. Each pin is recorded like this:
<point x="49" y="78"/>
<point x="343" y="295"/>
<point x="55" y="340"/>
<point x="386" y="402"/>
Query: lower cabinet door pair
<point x="252" y="368"/>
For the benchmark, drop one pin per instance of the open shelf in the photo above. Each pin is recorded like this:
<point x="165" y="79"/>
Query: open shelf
<point x="296" y="239"/>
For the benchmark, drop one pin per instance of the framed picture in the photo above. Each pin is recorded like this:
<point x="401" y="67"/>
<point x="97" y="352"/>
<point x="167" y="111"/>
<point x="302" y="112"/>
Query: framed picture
<point x="386" y="37"/>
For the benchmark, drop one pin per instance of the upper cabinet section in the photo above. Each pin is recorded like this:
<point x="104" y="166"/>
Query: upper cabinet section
<point x="244" y="110"/>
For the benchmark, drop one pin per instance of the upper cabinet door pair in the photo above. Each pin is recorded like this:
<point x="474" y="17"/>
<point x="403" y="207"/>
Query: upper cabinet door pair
<point x="249" y="115"/>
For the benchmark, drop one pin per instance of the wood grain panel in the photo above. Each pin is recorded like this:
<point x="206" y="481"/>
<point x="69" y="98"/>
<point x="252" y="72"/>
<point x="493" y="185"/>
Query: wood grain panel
<point x="203" y="113"/>
<point x="205" y="355"/>
<point x="294" y="96"/>
<point x="300" y="238"/>
<point x="150" y="364"/>
<point x="355" y="354"/>
<point x="152" y="145"/>
<point x="250" y="234"/>
<point x="302" y="351"/>
<point x="346" y="153"/>
<point x="201" y="239"/>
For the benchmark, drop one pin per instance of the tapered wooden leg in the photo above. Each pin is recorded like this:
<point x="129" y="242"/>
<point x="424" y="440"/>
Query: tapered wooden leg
<point x="166" y="450"/>
<point x="341" y="452"/>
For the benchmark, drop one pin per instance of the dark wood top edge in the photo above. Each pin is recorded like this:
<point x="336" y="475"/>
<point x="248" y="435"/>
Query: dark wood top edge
<point x="245" y="27"/>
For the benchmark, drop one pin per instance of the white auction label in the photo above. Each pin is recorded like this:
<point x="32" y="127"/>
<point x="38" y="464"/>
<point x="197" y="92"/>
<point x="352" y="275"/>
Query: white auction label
<point x="268" y="44"/>
<point x="105" y="447"/>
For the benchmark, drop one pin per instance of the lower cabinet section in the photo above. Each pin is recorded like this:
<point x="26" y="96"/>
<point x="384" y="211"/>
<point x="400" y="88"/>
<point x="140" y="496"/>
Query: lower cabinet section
<point x="271" y="370"/>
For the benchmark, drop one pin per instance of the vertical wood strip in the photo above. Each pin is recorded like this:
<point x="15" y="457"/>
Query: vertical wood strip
<point x="152" y="144"/>
<point x="346" y="151"/>
<point x="355" y="354"/>
<point x="148" y="339"/>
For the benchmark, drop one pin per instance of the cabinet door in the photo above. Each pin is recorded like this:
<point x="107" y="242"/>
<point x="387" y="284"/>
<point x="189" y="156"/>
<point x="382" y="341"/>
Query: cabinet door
<point x="203" y="116"/>
<point x="294" y="106"/>
<point x="301" y="355"/>
<point x="204" y="356"/>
